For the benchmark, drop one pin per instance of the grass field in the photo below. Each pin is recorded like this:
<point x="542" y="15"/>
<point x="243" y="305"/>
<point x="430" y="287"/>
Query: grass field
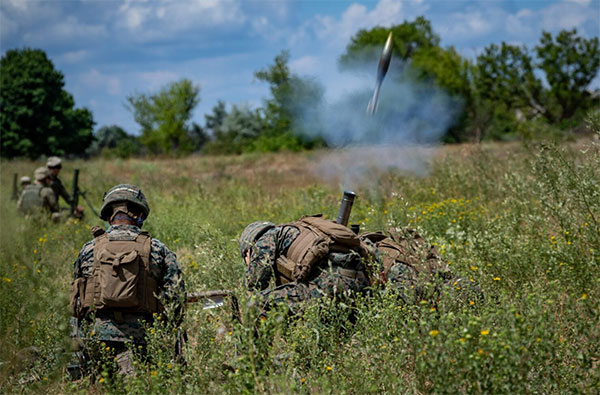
<point x="522" y="222"/>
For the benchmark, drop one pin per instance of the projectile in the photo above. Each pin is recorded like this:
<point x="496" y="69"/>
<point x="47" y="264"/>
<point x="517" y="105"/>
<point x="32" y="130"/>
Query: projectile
<point x="382" y="68"/>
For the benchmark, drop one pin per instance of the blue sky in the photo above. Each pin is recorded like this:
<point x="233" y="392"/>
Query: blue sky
<point x="109" y="49"/>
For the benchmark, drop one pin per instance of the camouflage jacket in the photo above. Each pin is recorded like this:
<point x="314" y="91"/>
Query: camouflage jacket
<point x="163" y="267"/>
<point x="60" y="190"/>
<point x="276" y="242"/>
<point x="36" y="196"/>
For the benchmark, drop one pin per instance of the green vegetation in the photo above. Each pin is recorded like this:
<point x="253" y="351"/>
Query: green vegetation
<point x="37" y="116"/>
<point x="164" y="117"/>
<point x="522" y="222"/>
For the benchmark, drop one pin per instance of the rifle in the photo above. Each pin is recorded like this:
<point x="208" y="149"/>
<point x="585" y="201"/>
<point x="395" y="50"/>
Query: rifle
<point x="78" y="192"/>
<point x="215" y="299"/>
<point x="15" y="193"/>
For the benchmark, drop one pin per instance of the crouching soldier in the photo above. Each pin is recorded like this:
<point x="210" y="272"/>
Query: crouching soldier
<point x="38" y="197"/>
<point x="303" y="260"/>
<point x="413" y="268"/>
<point x="124" y="279"/>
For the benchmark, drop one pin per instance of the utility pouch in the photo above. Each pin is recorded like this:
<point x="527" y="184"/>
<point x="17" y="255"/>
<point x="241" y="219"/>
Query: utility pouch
<point x="76" y="296"/>
<point x="119" y="276"/>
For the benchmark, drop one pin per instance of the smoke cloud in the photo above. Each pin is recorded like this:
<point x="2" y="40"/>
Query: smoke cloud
<point x="401" y="136"/>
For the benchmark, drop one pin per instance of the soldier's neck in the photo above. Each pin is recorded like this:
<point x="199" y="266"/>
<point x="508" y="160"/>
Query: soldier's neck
<point x="123" y="221"/>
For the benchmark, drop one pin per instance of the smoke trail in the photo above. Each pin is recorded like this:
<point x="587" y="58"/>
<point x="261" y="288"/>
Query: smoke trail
<point x="411" y="119"/>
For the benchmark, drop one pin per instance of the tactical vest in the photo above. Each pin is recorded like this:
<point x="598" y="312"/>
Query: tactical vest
<point x="120" y="280"/>
<point x="31" y="199"/>
<point x="406" y="246"/>
<point x="318" y="237"/>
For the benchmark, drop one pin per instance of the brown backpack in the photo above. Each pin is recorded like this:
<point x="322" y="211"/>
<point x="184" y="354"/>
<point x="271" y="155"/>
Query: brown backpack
<point x="318" y="237"/>
<point x="406" y="246"/>
<point x="120" y="279"/>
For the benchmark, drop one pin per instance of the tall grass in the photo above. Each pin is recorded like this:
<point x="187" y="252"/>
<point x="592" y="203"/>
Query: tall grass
<point x="523" y="223"/>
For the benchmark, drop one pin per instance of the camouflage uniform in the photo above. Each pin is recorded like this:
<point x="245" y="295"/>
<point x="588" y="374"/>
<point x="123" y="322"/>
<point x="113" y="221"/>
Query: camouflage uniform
<point x="38" y="197"/>
<point x="130" y="327"/>
<point x="418" y="272"/>
<point x="56" y="184"/>
<point x="59" y="189"/>
<point x="324" y="280"/>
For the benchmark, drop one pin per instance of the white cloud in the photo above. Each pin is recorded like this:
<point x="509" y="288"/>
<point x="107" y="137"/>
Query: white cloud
<point x="95" y="79"/>
<point x="73" y="56"/>
<point x="165" y="18"/>
<point x="154" y="80"/>
<point x="567" y="15"/>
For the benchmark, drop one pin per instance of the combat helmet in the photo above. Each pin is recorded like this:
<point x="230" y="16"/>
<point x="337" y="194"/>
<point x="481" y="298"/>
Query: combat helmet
<point x="252" y="233"/>
<point x="123" y="193"/>
<point x="41" y="173"/>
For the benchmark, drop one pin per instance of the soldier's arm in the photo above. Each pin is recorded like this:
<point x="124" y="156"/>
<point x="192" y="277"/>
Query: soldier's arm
<point x="62" y="191"/>
<point x="171" y="284"/>
<point x="50" y="200"/>
<point x="260" y="269"/>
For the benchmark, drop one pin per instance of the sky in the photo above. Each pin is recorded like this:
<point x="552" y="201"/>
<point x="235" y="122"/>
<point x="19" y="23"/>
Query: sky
<point x="108" y="50"/>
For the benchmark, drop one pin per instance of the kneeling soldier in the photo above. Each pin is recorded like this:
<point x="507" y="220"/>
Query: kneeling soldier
<point x="123" y="279"/>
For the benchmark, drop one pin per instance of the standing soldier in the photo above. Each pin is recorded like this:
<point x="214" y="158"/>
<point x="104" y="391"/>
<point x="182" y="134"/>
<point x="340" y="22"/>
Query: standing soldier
<point x="308" y="259"/>
<point x="39" y="197"/>
<point x="54" y="165"/>
<point x="124" y="279"/>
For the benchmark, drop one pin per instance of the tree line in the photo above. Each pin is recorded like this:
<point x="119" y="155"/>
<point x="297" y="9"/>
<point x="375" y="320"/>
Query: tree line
<point x="507" y="91"/>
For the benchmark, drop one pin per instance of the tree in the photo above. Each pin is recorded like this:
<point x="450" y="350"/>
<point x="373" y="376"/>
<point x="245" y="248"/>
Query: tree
<point x="292" y="99"/>
<point x="164" y="117"/>
<point x="570" y="63"/>
<point x="113" y="140"/>
<point x="37" y="116"/>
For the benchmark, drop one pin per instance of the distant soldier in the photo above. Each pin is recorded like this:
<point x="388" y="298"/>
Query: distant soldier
<point x="25" y="180"/>
<point x="307" y="259"/>
<point x="39" y="197"/>
<point x="124" y="278"/>
<point x="54" y="165"/>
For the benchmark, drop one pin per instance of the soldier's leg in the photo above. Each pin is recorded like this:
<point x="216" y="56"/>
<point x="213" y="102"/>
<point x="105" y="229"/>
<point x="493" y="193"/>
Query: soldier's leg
<point x="291" y="295"/>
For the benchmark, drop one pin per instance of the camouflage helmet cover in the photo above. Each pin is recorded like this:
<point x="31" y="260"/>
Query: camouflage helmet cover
<point x="41" y="173"/>
<point x="252" y="233"/>
<point x="54" y="162"/>
<point x="123" y="193"/>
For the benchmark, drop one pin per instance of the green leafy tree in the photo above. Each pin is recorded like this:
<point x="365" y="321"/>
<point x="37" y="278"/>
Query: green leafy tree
<point x="292" y="99"/>
<point x="114" y="141"/>
<point x="37" y="116"/>
<point x="570" y="63"/>
<point x="164" y="117"/>
<point x="237" y="131"/>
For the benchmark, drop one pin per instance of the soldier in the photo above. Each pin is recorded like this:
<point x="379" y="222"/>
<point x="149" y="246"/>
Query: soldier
<point x="25" y="180"/>
<point x="54" y="165"/>
<point x="307" y="259"/>
<point x="414" y="268"/>
<point x="124" y="279"/>
<point x="39" y="197"/>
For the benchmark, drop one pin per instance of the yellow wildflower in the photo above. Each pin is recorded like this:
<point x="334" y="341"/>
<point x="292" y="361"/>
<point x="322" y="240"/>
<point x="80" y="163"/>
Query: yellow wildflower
<point x="434" y="333"/>
<point x="584" y="296"/>
<point x="101" y="380"/>
<point x="496" y="278"/>
<point x="485" y="332"/>
<point x="329" y="368"/>
<point x="462" y="340"/>
<point x="471" y="302"/>
<point x="154" y="373"/>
